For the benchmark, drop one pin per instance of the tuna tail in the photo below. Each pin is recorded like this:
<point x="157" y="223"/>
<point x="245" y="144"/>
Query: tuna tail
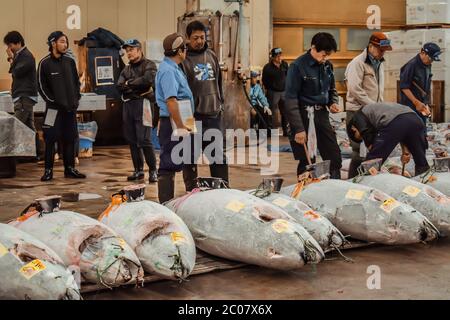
<point x="428" y="232"/>
<point x="72" y="294"/>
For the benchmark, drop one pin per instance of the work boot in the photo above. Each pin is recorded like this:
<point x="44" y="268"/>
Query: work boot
<point x="153" y="177"/>
<point x="137" y="176"/>
<point x="220" y="171"/>
<point x="335" y="174"/>
<point x="48" y="175"/>
<point x="166" y="188"/>
<point x="421" y="170"/>
<point x="190" y="175"/>
<point x="72" y="173"/>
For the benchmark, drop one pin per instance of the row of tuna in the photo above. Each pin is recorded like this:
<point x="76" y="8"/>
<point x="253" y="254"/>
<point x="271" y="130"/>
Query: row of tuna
<point x="271" y="227"/>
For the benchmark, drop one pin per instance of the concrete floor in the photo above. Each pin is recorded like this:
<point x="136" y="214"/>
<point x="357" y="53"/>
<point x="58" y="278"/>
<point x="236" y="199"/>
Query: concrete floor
<point x="412" y="272"/>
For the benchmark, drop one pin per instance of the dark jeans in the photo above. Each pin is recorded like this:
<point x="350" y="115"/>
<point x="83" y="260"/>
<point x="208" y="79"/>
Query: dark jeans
<point x="406" y="129"/>
<point x="357" y="160"/>
<point x="23" y="110"/>
<point x="65" y="132"/>
<point x="166" y="163"/>
<point x="139" y="137"/>
<point x="276" y="102"/>
<point x="326" y="143"/>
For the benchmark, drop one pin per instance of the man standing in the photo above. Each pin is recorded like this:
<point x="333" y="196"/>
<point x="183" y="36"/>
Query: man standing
<point x="416" y="78"/>
<point x="204" y="76"/>
<point x="365" y="85"/>
<point x="310" y="95"/>
<point x="59" y="86"/>
<point x="172" y="88"/>
<point x="274" y="80"/>
<point x="24" y="84"/>
<point x="136" y="83"/>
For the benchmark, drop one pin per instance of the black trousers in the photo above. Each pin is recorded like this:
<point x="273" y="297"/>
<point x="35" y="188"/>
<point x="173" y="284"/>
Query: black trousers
<point x="139" y="137"/>
<point x="65" y="132"/>
<point x="326" y="143"/>
<point x="276" y="102"/>
<point x="406" y="129"/>
<point x="218" y="161"/>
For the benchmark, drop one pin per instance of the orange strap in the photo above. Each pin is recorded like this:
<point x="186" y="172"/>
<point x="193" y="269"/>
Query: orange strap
<point x="116" y="201"/>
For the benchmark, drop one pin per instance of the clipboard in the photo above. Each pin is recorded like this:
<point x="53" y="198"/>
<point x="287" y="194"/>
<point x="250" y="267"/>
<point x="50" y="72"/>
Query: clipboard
<point x="187" y="116"/>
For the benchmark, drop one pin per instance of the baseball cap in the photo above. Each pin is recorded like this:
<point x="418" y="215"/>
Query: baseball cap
<point x="254" y="74"/>
<point x="432" y="50"/>
<point x="380" y="40"/>
<point x="275" y="51"/>
<point x="174" y="42"/>
<point x="134" y="43"/>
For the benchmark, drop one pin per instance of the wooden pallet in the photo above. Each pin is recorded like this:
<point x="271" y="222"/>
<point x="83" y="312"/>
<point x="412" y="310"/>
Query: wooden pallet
<point x="207" y="264"/>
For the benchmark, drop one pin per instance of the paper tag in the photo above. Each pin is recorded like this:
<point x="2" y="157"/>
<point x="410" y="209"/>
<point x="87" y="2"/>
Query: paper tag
<point x="147" y="117"/>
<point x="3" y="250"/>
<point x="311" y="215"/>
<point x="280" y="202"/>
<point x="353" y="194"/>
<point x="32" y="269"/>
<point x="389" y="205"/>
<point x="412" y="191"/>
<point x="122" y="243"/>
<point x="50" y="118"/>
<point x="281" y="226"/>
<point x="177" y="237"/>
<point x="373" y="171"/>
<point x="235" y="206"/>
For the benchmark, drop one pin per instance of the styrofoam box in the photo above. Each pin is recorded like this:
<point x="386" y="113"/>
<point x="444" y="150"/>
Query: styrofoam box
<point x="397" y="39"/>
<point x="439" y="36"/>
<point x="438" y="11"/>
<point x="416" y="12"/>
<point x="395" y="60"/>
<point x="390" y="79"/>
<point x="441" y="74"/>
<point x="415" y="39"/>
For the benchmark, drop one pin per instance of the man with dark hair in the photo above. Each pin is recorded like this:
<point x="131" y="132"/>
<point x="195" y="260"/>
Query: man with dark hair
<point x="310" y="97"/>
<point x="274" y="80"/>
<point x="136" y="83"/>
<point x="24" y="85"/>
<point x="172" y="89"/>
<point x="204" y="75"/>
<point x="382" y="126"/>
<point x="59" y="86"/>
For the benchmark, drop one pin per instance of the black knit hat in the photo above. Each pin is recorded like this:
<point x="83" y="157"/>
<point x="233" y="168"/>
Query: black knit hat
<point x="54" y="36"/>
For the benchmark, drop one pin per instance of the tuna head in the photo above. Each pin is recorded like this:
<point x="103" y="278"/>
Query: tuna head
<point x="110" y="261"/>
<point x="167" y="251"/>
<point x="389" y="221"/>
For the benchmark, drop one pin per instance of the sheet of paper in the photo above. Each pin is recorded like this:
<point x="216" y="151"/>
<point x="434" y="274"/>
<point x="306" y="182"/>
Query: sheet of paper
<point x="50" y="118"/>
<point x="147" y="117"/>
<point x="187" y="116"/>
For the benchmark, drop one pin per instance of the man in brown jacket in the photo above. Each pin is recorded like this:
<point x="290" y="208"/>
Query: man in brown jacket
<point x="365" y="85"/>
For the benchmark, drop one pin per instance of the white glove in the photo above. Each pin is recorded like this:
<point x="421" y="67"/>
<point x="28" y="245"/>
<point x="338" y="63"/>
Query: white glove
<point x="267" y="111"/>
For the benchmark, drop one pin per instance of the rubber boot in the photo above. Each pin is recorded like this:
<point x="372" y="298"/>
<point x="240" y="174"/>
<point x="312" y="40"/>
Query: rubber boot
<point x="220" y="171"/>
<point x="166" y="187"/>
<point x="353" y="169"/>
<point x="190" y="175"/>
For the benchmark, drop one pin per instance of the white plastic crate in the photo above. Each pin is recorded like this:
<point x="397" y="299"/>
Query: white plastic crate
<point x="438" y="11"/>
<point x="439" y="36"/>
<point x="397" y="39"/>
<point x="390" y="79"/>
<point x="416" y="12"/>
<point x="415" y="39"/>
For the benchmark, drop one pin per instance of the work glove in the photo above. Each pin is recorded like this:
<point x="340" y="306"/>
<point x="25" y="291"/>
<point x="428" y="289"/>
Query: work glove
<point x="267" y="111"/>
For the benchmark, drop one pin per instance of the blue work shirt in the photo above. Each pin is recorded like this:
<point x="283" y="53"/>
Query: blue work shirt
<point x="171" y="82"/>
<point x="257" y="97"/>
<point x="414" y="75"/>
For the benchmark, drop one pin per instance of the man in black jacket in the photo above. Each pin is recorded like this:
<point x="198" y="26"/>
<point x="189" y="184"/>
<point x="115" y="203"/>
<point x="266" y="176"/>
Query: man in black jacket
<point x="136" y="83"/>
<point x="24" y="86"/>
<point x="204" y="76"/>
<point x="310" y="97"/>
<point x="59" y="86"/>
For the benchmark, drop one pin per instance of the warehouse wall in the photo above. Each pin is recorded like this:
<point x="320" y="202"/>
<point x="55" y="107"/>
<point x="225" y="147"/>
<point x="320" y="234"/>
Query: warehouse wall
<point x="144" y="19"/>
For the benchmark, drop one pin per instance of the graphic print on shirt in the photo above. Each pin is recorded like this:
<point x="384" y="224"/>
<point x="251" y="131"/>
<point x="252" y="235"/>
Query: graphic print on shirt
<point x="204" y="72"/>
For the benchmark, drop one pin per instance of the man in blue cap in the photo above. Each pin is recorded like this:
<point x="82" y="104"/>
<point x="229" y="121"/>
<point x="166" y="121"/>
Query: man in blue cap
<point x="136" y="83"/>
<point x="415" y="80"/>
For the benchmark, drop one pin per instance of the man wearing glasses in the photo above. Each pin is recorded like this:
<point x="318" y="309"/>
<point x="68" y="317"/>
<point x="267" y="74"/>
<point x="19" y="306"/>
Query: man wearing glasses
<point x="365" y="85"/>
<point x="310" y="97"/>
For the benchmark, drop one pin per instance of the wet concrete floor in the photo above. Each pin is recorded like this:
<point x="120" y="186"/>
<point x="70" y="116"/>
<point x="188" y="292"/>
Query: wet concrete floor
<point x="410" y="272"/>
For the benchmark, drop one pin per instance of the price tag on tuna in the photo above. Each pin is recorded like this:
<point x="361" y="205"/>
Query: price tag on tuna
<point x="281" y="226"/>
<point x="280" y="202"/>
<point x="122" y="243"/>
<point x="177" y="237"/>
<point x="389" y="205"/>
<point x="311" y="215"/>
<point x="32" y="269"/>
<point x="235" y="206"/>
<point x="3" y="250"/>
<point x="412" y="191"/>
<point x="355" y="194"/>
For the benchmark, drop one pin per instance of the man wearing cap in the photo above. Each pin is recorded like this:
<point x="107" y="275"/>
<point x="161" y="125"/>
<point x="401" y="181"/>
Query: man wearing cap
<point x="59" y="86"/>
<point x="310" y="97"/>
<point x="172" y="88"/>
<point x="136" y="84"/>
<point x="204" y="76"/>
<point x="261" y="113"/>
<point x="416" y="78"/>
<point x="365" y="85"/>
<point x="274" y="80"/>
